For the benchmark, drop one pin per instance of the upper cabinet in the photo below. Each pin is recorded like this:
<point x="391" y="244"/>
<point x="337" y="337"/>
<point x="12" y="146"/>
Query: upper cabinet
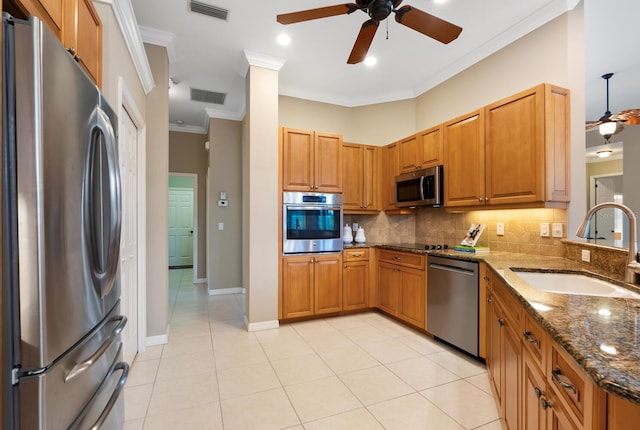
<point x="360" y="178"/>
<point x="422" y="150"/>
<point x="75" y="22"/>
<point x="311" y="161"/>
<point x="512" y="153"/>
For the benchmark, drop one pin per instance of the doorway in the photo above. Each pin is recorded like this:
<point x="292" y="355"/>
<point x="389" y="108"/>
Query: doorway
<point x="182" y="232"/>
<point x="609" y="224"/>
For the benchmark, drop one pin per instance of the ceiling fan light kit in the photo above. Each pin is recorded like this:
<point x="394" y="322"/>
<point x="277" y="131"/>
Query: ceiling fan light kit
<point x="604" y="153"/>
<point x="608" y="124"/>
<point x="379" y="10"/>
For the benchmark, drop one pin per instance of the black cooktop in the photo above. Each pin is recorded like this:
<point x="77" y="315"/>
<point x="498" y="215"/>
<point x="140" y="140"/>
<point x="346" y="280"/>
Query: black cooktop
<point x="420" y="246"/>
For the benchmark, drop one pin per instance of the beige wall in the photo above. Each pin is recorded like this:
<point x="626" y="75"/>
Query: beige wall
<point x="157" y="194"/>
<point x="187" y="155"/>
<point x="225" y="159"/>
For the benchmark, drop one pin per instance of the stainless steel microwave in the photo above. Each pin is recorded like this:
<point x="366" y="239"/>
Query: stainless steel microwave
<point x="420" y="188"/>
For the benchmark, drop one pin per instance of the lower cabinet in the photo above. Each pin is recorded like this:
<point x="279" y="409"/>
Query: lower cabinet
<point x="311" y="285"/>
<point x="402" y="286"/>
<point x="355" y="279"/>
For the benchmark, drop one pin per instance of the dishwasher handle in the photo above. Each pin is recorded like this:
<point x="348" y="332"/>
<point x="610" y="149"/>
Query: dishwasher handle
<point x="452" y="269"/>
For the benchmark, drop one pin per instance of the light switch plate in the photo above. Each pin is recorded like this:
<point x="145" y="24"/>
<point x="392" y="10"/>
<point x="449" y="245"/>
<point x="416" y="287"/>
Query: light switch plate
<point x="557" y="229"/>
<point x="500" y="229"/>
<point x="544" y="229"/>
<point x="220" y="226"/>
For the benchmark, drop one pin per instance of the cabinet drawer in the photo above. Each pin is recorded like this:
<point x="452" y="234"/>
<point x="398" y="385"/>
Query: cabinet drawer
<point x="510" y="304"/>
<point x="356" y="254"/>
<point x="568" y="381"/>
<point x="407" y="259"/>
<point x="534" y="339"/>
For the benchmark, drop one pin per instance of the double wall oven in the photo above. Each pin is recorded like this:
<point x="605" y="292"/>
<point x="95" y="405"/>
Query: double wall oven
<point x="312" y="222"/>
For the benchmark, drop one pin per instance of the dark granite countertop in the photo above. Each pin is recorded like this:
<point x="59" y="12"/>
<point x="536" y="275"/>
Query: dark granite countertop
<point x="601" y="333"/>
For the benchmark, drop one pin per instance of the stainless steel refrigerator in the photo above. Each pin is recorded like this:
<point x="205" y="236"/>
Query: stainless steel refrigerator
<point x="61" y="218"/>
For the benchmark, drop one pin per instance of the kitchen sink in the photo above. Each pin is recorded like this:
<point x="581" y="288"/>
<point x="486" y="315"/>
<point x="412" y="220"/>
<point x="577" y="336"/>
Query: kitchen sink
<point x="573" y="283"/>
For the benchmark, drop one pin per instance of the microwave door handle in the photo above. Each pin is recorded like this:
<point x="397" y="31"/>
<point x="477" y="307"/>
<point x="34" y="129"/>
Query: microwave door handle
<point x="422" y="187"/>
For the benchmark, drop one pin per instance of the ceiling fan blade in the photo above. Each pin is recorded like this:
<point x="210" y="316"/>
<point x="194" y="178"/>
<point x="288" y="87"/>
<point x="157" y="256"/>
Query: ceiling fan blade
<point x="427" y="24"/>
<point x="363" y="42"/>
<point x="629" y="116"/>
<point x="592" y="125"/>
<point x="321" y="12"/>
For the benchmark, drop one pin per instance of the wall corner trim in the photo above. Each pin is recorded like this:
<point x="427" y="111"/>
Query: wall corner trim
<point x="125" y="17"/>
<point x="251" y="58"/>
<point x="223" y="291"/>
<point x="263" y="325"/>
<point x="162" y="339"/>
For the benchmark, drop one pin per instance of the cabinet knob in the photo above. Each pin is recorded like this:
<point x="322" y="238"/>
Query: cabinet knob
<point x="72" y="51"/>
<point x="480" y="199"/>
<point x="316" y="187"/>
<point x="489" y="300"/>
<point x="486" y="278"/>
<point x="361" y="206"/>
<point x="486" y="199"/>
<point x="544" y="404"/>
<point x="500" y="322"/>
<point x="538" y="392"/>
<point x="397" y="258"/>
<point x="346" y="267"/>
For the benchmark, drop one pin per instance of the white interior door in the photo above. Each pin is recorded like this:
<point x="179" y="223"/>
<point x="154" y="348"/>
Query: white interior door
<point x="128" y="147"/>
<point x="180" y="227"/>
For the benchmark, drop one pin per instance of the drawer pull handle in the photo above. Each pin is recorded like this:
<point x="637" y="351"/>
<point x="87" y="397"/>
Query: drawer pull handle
<point x="544" y="404"/>
<point x="539" y="392"/>
<point x="357" y="255"/>
<point x="564" y="384"/>
<point x="527" y="335"/>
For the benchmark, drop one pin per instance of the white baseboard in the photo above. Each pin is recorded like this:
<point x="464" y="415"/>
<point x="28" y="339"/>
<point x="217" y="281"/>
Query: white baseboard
<point x="200" y="281"/>
<point x="264" y="325"/>
<point x="162" y="339"/>
<point x="222" y="291"/>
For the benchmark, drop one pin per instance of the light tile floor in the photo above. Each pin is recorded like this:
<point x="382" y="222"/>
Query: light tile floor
<point x="362" y="371"/>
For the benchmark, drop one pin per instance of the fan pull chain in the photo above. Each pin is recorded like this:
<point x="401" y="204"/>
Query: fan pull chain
<point x="387" y="22"/>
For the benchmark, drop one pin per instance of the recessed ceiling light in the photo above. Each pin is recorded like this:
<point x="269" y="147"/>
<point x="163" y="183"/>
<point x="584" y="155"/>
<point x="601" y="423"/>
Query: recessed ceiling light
<point x="439" y="1"/>
<point x="283" y="39"/>
<point x="370" y="61"/>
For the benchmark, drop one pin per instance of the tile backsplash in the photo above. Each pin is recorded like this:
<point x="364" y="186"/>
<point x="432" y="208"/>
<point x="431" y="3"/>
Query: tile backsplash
<point x="436" y="226"/>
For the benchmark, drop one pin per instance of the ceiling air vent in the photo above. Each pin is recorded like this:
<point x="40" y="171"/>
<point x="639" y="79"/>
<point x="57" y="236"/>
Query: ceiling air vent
<point x="209" y="10"/>
<point x="207" y="96"/>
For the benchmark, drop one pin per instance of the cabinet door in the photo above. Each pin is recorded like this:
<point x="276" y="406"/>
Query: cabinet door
<point x="533" y="415"/>
<point x="431" y="147"/>
<point x="328" y="162"/>
<point x="297" y="160"/>
<point x="82" y="35"/>
<point x="391" y="169"/>
<point x="327" y="284"/>
<point x="389" y="280"/>
<point x="409" y="154"/>
<point x="370" y="178"/>
<point x="494" y="328"/>
<point x="412" y="296"/>
<point x="464" y="160"/>
<point x="54" y="12"/>
<point x="355" y="285"/>
<point x="297" y="286"/>
<point x="352" y="176"/>
<point x="511" y="359"/>
<point x="515" y="149"/>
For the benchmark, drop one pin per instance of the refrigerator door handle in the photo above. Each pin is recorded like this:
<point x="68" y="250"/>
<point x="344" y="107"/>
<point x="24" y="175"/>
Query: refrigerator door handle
<point x="88" y="362"/>
<point x="103" y="277"/>
<point x="124" y="367"/>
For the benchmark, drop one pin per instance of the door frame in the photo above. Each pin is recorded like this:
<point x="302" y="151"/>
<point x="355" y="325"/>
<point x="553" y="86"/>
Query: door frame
<point x="194" y="177"/>
<point x="127" y="102"/>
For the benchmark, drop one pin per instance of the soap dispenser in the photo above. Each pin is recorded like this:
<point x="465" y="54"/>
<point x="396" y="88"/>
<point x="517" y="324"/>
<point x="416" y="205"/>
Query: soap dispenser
<point x="347" y="234"/>
<point x="360" y="235"/>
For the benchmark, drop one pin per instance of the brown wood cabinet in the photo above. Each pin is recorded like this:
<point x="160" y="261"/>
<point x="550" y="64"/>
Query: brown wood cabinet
<point x="312" y="161"/>
<point x="512" y="153"/>
<point x="464" y="160"/>
<point x="390" y="169"/>
<point x="360" y="178"/>
<point x="402" y="286"/>
<point x="312" y="285"/>
<point x="422" y="150"/>
<point x="75" y="23"/>
<point x="355" y="279"/>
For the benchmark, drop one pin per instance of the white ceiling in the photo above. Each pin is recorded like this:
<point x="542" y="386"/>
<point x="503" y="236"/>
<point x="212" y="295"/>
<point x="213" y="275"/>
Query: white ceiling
<point x="207" y="53"/>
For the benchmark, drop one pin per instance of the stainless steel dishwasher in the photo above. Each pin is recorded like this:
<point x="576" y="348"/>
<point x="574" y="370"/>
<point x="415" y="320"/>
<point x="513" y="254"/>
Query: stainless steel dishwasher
<point x="452" y="302"/>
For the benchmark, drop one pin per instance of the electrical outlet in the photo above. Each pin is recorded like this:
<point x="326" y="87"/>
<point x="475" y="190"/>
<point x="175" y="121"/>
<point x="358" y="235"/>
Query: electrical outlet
<point x="500" y="229"/>
<point x="557" y="229"/>
<point x="586" y="255"/>
<point x="544" y="229"/>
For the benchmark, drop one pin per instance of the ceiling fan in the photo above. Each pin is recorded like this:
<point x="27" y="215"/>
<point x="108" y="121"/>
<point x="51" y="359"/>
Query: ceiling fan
<point x="610" y="124"/>
<point x="379" y="10"/>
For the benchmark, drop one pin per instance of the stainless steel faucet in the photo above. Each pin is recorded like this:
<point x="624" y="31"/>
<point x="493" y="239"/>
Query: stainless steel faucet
<point x="633" y="267"/>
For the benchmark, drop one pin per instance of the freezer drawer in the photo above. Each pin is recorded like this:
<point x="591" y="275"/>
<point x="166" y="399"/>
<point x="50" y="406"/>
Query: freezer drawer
<point x="74" y="391"/>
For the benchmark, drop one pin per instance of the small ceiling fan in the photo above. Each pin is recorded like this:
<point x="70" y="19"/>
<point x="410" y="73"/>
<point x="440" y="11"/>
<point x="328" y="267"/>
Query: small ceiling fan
<point x="379" y="10"/>
<point x="610" y="124"/>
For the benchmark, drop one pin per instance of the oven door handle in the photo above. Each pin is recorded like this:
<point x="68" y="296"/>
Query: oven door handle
<point x="310" y="208"/>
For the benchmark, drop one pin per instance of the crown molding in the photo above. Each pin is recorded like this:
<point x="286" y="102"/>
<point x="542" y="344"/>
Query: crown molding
<point x="126" y="20"/>
<point x="251" y="58"/>
<point x="160" y="38"/>
<point x="187" y="129"/>
<point x="223" y="114"/>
